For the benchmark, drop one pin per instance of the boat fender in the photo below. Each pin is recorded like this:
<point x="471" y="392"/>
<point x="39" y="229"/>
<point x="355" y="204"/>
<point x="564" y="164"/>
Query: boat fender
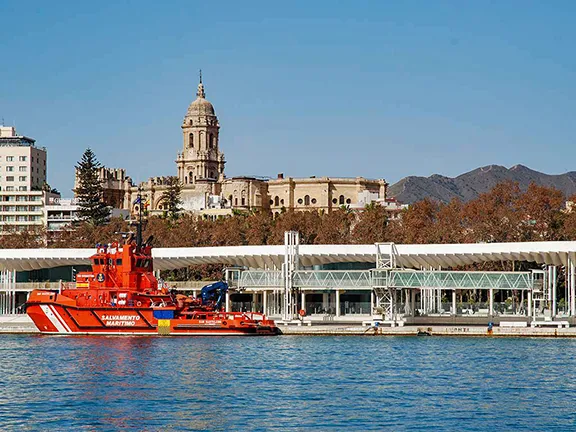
<point x="224" y="323"/>
<point x="138" y="303"/>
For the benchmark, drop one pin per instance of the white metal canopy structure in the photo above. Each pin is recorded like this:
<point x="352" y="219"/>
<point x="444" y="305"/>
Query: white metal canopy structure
<point x="409" y="256"/>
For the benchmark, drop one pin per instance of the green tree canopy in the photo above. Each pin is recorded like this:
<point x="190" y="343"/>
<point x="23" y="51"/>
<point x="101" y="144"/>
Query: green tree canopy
<point x="89" y="191"/>
<point x="171" y="198"/>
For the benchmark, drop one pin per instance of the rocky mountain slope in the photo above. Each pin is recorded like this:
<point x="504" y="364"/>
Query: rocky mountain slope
<point x="469" y="185"/>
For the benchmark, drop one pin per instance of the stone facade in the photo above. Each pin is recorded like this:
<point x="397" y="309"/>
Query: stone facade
<point x="207" y="192"/>
<point x="322" y="193"/>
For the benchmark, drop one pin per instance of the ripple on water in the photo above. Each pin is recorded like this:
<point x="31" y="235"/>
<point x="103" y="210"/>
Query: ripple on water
<point x="286" y="383"/>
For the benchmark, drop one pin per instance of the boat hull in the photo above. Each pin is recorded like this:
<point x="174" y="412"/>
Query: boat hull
<point x="61" y="319"/>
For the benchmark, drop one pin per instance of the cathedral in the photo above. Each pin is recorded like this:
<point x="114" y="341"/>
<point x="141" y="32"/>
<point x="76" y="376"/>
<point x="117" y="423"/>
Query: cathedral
<point x="207" y="191"/>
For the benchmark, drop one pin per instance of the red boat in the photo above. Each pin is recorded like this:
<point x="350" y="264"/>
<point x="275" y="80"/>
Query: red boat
<point x="121" y="296"/>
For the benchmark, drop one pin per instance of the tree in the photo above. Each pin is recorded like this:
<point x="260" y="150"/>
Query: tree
<point x="89" y="191"/>
<point x="542" y="210"/>
<point x="171" y="198"/>
<point x="335" y="227"/>
<point x="417" y="224"/>
<point x="493" y="216"/>
<point x="371" y="225"/>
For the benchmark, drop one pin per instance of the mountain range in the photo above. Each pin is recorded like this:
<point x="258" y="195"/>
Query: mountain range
<point x="469" y="185"/>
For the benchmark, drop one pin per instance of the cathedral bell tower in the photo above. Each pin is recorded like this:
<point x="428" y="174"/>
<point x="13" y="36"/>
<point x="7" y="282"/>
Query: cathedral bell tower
<point x="200" y="160"/>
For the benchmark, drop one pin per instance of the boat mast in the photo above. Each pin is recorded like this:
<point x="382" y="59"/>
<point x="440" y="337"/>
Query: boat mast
<point x="139" y="223"/>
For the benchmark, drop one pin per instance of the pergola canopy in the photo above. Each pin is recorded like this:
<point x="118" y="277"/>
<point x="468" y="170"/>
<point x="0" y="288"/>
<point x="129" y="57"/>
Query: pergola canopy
<point x="409" y="256"/>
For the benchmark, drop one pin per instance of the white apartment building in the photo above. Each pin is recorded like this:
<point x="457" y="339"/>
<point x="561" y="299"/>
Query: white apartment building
<point x="22" y="164"/>
<point x="60" y="213"/>
<point x="22" y="180"/>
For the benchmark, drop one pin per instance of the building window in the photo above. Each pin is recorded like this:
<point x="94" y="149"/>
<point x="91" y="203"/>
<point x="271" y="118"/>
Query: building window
<point x="271" y="202"/>
<point x="9" y="188"/>
<point x="10" y="168"/>
<point x="22" y="188"/>
<point x="300" y="201"/>
<point x="341" y="199"/>
<point x="191" y="140"/>
<point x="22" y="178"/>
<point x="243" y="201"/>
<point x="348" y="201"/>
<point x="32" y="158"/>
<point x="282" y="201"/>
<point x="22" y="158"/>
<point x="276" y="201"/>
<point x="313" y="200"/>
<point x="9" y="178"/>
<point x="9" y="158"/>
<point x="235" y="201"/>
<point x="307" y="200"/>
<point x="211" y="142"/>
<point x="334" y="201"/>
<point x="22" y="169"/>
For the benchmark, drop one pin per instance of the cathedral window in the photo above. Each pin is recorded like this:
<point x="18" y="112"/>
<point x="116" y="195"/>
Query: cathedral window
<point x="191" y="140"/>
<point x="276" y="201"/>
<point x="307" y="200"/>
<point x="341" y="199"/>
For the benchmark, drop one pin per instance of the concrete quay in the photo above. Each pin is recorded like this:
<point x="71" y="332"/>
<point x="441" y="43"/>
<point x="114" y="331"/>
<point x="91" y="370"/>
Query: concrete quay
<point x="21" y="324"/>
<point x="436" y="330"/>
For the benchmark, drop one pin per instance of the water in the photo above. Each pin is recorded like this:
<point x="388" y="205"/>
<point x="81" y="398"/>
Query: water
<point x="286" y="383"/>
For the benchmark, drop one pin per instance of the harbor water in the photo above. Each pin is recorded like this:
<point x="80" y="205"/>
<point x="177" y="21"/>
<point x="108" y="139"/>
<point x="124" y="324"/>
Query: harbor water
<point x="287" y="383"/>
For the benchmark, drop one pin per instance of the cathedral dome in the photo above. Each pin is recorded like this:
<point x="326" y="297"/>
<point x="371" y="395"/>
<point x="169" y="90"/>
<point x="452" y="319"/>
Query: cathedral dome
<point x="200" y="107"/>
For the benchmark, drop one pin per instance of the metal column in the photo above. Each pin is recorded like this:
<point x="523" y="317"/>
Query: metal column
<point x="291" y="243"/>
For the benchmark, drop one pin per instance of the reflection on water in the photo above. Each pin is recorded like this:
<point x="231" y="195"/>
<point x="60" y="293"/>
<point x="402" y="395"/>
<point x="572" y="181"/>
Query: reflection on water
<point x="286" y="383"/>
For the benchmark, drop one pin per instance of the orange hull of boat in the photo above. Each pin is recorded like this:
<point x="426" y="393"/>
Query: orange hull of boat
<point x="57" y="314"/>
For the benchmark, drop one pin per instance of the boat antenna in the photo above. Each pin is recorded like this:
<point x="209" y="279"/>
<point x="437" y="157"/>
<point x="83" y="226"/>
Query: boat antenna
<point x="139" y="224"/>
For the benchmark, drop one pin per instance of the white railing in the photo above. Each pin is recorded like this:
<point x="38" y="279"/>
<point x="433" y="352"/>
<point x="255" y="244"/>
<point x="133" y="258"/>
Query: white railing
<point x="261" y="278"/>
<point x="333" y="279"/>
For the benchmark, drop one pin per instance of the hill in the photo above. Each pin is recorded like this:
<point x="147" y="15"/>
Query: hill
<point x="469" y="185"/>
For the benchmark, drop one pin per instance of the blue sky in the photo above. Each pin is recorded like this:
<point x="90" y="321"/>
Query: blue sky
<point x="376" y="89"/>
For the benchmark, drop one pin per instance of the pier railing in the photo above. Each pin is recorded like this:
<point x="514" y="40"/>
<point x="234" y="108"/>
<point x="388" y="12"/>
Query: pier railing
<point x="399" y="279"/>
<point x="460" y="280"/>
